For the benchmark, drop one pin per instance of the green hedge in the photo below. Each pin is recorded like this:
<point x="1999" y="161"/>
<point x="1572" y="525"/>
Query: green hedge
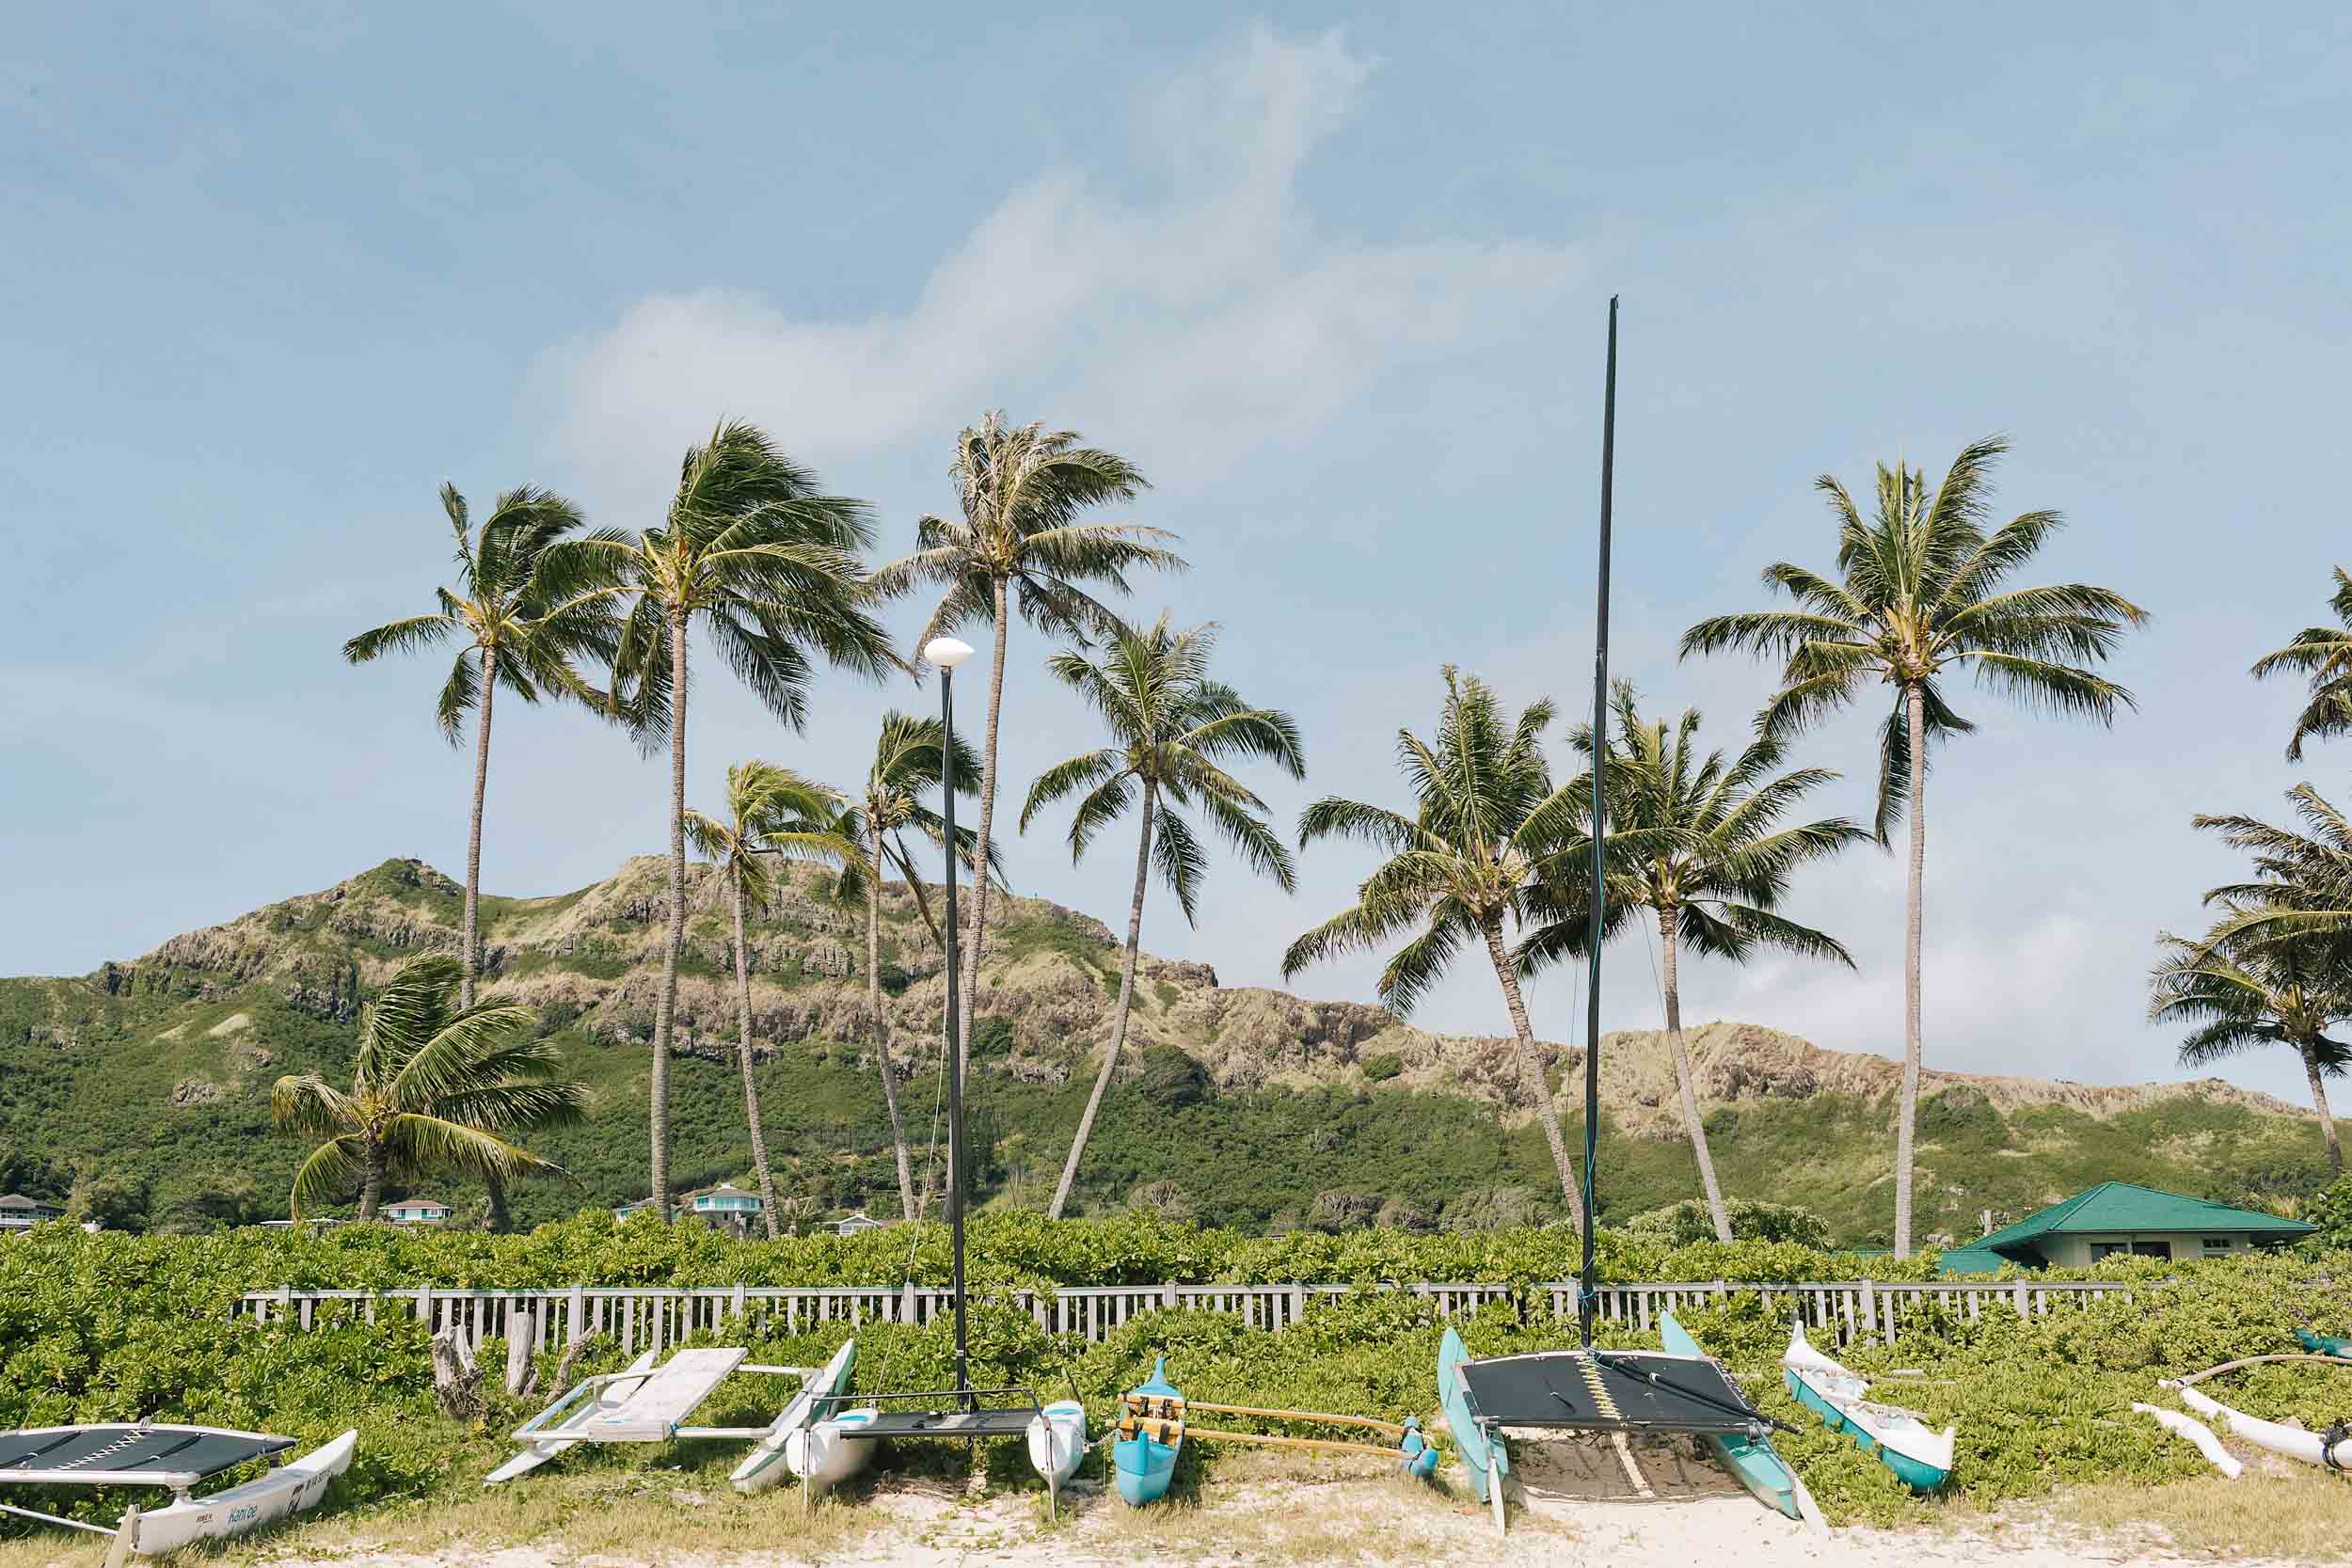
<point x="111" y="1327"/>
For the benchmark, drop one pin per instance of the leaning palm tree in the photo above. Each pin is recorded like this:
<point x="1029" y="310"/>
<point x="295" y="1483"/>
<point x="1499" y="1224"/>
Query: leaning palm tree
<point x="516" y="632"/>
<point x="908" y="764"/>
<point x="1018" y="543"/>
<point x="753" y="552"/>
<point x="2244" y="992"/>
<point x="773" y="815"/>
<point x="1922" y="595"/>
<point x="437" y="1085"/>
<point x="2324" y="654"/>
<point x="1465" y="866"/>
<point x="1172" y="727"/>
<point x="1717" y="865"/>
<point x="2303" y="882"/>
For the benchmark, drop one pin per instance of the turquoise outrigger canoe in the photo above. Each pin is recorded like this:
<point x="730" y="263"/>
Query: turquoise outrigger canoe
<point x="1489" y="1463"/>
<point x="2324" y="1344"/>
<point x="1760" y="1470"/>
<point x="1901" y="1439"/>
<point x="1152" y="1419"/>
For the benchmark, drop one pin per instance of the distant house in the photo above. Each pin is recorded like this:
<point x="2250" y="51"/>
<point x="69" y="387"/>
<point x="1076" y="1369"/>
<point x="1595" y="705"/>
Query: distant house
<point x="629" y="1211"/>
<point x="849" y="1225"/>
<point x="19" y="1212"/>
<point x="2115" y="1217"/>
<point x="418" y="1211"/>
<point x="722" y="1205"/>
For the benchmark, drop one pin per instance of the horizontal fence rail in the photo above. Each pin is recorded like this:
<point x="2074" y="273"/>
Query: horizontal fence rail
<point x="651" y="1318"/>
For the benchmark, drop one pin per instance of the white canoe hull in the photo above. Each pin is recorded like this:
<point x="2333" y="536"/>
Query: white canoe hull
<point x="1057" y="1441"/>
<point x="767" y="1464"/>
<point x="1899" y="1438"/>
<point x="2293" y="1442"/>
<point x="289" y="1489"/>
<point x="823" y="1454"/>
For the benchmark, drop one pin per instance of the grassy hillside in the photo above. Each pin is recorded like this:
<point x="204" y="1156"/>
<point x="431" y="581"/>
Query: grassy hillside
<point x="149" y="1081"/>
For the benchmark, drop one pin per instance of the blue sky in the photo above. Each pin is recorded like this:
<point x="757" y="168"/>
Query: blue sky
<point x="1335" y="278"/>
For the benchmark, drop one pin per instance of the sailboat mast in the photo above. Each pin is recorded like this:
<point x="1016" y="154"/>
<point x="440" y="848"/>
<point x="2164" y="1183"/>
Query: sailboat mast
<point x="1585" y="1281"/>
<point x="955" y="1056"/>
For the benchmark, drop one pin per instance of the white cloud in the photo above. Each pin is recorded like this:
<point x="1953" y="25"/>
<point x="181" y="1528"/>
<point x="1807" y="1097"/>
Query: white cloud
<point x="1214" y="316"/>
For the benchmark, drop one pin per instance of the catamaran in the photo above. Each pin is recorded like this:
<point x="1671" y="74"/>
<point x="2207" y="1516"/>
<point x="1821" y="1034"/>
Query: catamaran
<point x="1588" y="1388"/>
<point x="176" y="1459"/>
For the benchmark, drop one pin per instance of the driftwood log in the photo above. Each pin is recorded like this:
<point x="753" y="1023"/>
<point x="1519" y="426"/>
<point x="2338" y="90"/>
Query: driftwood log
<point x="572" y="1353"/>
<point x="522" y="1373"/>
<point x="456" y="1379"/>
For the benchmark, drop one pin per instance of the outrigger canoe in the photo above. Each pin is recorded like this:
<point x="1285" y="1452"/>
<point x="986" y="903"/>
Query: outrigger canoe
<point x="1750" y="1454"/>
<point x="2324" y="1344"/>
<point x="1920" y="1456"/>
<point x="1150" y="1436"/>
<point x="2312" y="1448"/>
<point x="818" y="1398"/>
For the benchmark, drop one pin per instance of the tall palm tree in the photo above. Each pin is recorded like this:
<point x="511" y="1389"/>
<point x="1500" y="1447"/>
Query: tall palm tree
<point x="516" y="632"/>
<point x="2244" y="992"/>
<point x="908" y="764"/>
<point x="1717" y="865"/>
<point x="2302" y="884"/>
<point x="1171" y="727"/>
<point x="1467" y="865"/>
<point x="767" y="564"/>
<point x="772" y="814"/>
<point x="1921" y="593"/>
<point x="436" y="1084"/>
<point x="2324" y="654"/>
<point x="1018" y="543"/>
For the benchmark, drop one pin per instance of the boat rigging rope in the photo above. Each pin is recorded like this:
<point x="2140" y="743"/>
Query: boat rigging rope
<point x="930" y="1165"/>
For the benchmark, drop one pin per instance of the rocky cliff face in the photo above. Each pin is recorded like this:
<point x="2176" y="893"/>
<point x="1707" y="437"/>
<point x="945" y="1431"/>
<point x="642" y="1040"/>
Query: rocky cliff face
<point x="1049" y="983"/>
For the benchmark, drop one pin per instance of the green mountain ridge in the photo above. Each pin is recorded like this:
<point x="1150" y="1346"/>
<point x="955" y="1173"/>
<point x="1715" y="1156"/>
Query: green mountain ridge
<point x="1241" y="1106"/>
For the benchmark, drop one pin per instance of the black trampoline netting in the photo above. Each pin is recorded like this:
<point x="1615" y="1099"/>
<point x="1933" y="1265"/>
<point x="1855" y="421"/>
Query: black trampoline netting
<point x="128" y="1455"/>
<point x="1607" y="1391"/>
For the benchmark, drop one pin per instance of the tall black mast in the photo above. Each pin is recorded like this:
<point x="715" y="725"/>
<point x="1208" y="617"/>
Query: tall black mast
<point x="1585" y="1281"/>
<point x="955" y="1056"/>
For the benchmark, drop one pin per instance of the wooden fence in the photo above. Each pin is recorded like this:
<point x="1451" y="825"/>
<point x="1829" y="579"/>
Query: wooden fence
<point x="648" y="1317"/>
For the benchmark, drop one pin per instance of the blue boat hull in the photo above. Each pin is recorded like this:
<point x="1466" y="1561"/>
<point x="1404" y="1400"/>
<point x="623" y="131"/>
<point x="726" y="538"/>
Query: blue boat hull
<point x="1919" y="1477"/>
<point x="1143" y="1467"/>
<point x="1754" y="1460"/>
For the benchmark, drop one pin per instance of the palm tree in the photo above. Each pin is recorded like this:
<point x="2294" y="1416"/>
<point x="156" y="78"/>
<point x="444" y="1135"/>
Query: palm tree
<point x="436" y="1084"/>
<point x="1469" y="863"/>
<point x="1921" y="594"/>
<point x="908" y="764"/>
<point x="2244" y="992"/>
<point x="2325" y="655"/>
<point x="772" y="814"/>
<point x="2302" y="885"/>
<point x="768" y="565"/>
<point x="1717" y="866"/>
<point x="1172" y="725"/>
<point x="1018" y="543"/>
<point x="518" y="633"/>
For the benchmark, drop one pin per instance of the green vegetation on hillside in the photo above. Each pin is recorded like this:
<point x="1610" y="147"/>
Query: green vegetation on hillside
<point x="88" y="1082"/>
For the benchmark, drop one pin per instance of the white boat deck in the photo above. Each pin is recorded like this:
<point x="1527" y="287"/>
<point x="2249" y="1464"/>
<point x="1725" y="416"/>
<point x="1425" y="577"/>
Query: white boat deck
<point x="655" y="1411"/>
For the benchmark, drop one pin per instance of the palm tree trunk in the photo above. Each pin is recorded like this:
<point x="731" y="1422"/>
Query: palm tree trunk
<point x="494" y="1188"/>
<point x="1532" y="1077"/>
<point x="665" y="1013"/>
<point x="372" y="1181"/>
<point x="2319" y="1103"/>
<point x="988" y="813"/>
<point x="474" y="836"/>
<point x="1907" y="1109"/>
<point x="882" y="1032"/>
<point x="1127" y="999"/>
<point x="743" y="1058"/>
<point x="1669" y="942"/>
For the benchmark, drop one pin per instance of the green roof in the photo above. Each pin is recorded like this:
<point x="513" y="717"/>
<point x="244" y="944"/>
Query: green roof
<point x="1972" y="1259"/>
<point x="2118" y="1206"/>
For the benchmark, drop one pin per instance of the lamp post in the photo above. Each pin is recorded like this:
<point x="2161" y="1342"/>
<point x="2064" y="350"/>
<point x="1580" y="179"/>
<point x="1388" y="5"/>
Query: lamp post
<point x="947" y="653"/>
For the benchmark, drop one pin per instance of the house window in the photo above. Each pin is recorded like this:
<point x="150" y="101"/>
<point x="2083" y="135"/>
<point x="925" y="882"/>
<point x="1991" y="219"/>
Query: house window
<point x="2217" y="1243"/>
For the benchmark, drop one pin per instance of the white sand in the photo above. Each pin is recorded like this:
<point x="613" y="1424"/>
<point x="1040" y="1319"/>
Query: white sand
<point x="1576" y="1510"/>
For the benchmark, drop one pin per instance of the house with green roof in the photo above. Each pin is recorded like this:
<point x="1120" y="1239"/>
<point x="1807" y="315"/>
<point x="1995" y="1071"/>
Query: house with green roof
<point x="2118" y="1217"/>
